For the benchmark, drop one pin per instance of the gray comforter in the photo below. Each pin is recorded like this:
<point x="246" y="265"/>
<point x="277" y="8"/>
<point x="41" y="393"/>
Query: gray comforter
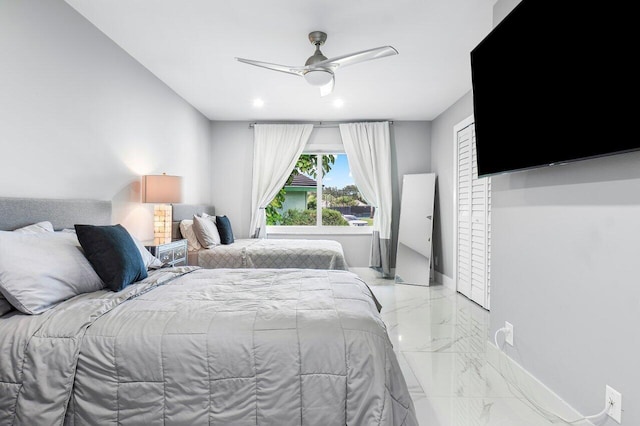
<point x="275" y="253"/>
<point x="192" y="346"/>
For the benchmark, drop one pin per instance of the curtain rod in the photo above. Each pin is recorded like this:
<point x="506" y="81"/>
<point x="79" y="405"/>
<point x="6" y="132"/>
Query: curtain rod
<point x="320" y="124"/>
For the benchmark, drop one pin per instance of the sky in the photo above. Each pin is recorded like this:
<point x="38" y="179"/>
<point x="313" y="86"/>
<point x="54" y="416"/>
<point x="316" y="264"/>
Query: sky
<point x="339" y="176"/>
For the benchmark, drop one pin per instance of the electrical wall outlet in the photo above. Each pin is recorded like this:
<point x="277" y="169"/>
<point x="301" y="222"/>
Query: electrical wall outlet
<point x="613" y="400"/>
<point x="435" y="260"/>
<point x="508" y="334"/>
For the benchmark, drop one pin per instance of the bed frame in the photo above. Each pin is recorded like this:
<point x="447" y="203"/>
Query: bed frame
<point x="18" y="212"/>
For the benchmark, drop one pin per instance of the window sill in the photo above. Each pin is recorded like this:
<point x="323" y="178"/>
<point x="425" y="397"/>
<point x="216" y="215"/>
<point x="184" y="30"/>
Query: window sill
<point x="319" y="230"/>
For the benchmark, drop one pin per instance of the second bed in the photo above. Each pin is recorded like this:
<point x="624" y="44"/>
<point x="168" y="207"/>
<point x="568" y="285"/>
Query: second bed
<point x="261" y="252"/>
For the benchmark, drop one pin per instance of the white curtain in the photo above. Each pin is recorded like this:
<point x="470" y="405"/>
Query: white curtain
<point x="276" y="148"/>
<point x="368" y="149"/>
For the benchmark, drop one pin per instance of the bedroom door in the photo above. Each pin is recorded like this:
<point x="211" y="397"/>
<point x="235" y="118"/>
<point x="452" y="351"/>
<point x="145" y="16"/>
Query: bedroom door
<point x="473" y="220"/>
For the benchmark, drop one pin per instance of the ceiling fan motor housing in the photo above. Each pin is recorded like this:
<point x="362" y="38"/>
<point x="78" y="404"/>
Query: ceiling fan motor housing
<point x="317" y="38"/>
<point x="315" y="58"/>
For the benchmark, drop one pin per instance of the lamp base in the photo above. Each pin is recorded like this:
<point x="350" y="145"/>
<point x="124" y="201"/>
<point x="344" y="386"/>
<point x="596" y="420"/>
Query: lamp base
<point x="162" y="215"/>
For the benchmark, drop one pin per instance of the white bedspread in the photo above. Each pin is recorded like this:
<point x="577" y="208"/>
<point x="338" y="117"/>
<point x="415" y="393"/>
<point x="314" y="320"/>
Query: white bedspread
<point x="275" y="253"/>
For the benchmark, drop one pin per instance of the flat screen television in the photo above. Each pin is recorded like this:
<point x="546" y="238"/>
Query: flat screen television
<point x="552" y="83"/>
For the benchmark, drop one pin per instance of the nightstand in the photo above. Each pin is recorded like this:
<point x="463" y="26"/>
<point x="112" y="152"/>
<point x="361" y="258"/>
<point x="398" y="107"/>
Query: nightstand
<point x="171" y="254"/>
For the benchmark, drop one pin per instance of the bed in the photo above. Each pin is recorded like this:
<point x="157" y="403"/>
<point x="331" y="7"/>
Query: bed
<point x="189" y="345"/>
<point x="261" y="252"/>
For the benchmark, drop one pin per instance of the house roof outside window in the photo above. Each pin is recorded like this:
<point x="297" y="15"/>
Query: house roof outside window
<point x="302" y="180"/>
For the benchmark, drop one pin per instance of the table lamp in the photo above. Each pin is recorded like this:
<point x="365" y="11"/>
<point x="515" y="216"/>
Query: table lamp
<point x="161" y="190"/>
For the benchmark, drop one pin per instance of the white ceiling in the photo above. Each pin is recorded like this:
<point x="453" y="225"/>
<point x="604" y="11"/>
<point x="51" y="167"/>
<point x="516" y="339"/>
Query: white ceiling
<point x="191" y="46"/>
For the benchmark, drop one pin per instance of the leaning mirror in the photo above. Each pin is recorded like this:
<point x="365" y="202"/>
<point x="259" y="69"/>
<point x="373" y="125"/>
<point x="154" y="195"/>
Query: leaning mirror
<point x="413" y="258"/>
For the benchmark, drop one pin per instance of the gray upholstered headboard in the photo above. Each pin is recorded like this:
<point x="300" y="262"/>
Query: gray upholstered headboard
<point x="18" y="212"/>
<point x="185" y="212"/>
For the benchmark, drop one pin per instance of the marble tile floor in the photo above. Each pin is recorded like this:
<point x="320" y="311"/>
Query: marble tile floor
<point x="440" y="338"/>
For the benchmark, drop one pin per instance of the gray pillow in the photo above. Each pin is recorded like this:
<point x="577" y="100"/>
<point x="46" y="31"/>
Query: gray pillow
<point x="206" y="231"/>
<point x="37" y="271"/>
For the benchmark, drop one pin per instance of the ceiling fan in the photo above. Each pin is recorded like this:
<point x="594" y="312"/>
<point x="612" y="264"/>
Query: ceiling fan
<point x="318" y="70"/>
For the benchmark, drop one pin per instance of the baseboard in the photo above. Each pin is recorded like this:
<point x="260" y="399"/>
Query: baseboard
<point x="368" y="272"/>
<point x="533" y="388"/>
<point x="441" y="278"/>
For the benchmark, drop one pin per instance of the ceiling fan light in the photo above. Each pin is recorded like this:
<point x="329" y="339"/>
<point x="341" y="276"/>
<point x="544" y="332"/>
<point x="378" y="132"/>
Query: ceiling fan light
<point x="318" y="77"/>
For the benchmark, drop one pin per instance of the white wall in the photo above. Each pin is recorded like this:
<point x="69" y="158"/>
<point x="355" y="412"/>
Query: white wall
<point x="231" y="166"/>
<point x="232" y="159"/>
<point x="565" y="252"/>
<point x="80" y="118"/>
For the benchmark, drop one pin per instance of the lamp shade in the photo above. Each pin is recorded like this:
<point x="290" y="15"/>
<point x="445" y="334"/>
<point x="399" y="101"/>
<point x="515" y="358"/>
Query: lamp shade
<point x="161" y="189"/>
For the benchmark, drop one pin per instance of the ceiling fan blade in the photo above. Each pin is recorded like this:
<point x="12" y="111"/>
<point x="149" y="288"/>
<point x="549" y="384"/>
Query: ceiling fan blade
<point x="355" y="58"/>
<point x="327" y="88"/>
<point x="299" y="71"/>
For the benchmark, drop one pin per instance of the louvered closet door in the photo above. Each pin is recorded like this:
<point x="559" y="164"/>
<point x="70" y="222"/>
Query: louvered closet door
<point x="474" y="223"/>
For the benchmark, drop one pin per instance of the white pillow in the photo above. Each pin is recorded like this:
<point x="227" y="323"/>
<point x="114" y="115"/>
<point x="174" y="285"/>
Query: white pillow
<point x="37" y="271"/>
<point x="150" y="261"/>
<point x="36" y="228"/>
<point x="206" y="231"/>
<point x="186" y="229"/>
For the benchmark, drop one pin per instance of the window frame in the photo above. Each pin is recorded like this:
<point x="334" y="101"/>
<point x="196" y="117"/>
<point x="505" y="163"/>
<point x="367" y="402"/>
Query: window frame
<point x="318" y="228"/>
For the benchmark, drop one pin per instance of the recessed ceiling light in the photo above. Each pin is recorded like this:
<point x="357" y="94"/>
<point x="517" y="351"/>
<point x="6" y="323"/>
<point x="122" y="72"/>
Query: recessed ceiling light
<point x="258" y="103"/>
<point x="338" y="103"/>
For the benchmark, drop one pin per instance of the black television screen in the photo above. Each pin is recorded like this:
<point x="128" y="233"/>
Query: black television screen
<point x="552" y="83"/>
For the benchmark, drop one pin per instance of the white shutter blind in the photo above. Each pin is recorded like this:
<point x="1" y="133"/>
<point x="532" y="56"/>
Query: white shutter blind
<point x="474" y="223"/>
<point x="464" y="211"/>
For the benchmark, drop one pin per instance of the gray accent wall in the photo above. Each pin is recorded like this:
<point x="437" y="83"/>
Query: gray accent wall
<point x="564" y="264"/>
<point x="442" y="149"/>
<point x="502" y="8"/>
<point x="564" y="272"/>
<point x="80" y="118"/>
<point x="410" y="153"/>
<point x="565" y="251"/>
<point x="232" y="159"/>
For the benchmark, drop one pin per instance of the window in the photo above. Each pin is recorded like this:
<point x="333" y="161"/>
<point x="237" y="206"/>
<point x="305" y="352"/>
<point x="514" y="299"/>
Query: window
<point x="341" y="203"/>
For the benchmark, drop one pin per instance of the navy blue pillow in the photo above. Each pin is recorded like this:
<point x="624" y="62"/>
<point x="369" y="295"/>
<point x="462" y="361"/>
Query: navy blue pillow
<point x="224" y="229"/>
<point x="113" y="254"/>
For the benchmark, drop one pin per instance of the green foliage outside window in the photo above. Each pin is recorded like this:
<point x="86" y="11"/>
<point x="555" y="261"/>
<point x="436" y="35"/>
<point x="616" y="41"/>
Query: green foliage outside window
<point x="312" y="201"/>
<point x="308" y="218"/>
<point x="307" y="164"/>
<point x="345" y="200"/>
